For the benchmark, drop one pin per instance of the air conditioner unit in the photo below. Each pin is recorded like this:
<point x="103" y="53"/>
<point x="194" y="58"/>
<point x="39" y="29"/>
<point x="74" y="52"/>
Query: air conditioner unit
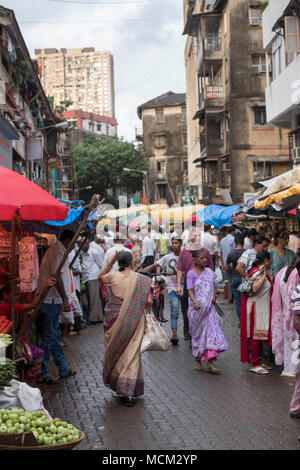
<point x="262" y="68"/>
<point x="255" y="69"/>
<point x="256" y="21"/>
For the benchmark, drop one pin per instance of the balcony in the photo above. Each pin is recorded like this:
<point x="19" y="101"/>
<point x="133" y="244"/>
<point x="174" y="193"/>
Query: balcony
<point x="210" y="53"/>
<point x="211" y="96"/>
<point x="294" y="147"/>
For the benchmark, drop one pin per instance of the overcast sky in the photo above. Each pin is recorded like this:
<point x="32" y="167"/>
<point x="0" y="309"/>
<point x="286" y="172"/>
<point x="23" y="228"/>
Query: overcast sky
<point x="145" y="37"/>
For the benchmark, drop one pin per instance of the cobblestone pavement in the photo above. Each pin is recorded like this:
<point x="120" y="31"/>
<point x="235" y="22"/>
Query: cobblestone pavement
<point x="182" y="408"/>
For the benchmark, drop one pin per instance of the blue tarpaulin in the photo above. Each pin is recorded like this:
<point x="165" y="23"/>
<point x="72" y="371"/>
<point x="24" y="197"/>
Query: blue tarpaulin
<point x="217" y="215"/>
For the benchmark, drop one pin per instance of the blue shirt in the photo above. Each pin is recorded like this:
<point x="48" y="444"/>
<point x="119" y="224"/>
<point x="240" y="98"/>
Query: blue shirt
<point x="226" y="246"/>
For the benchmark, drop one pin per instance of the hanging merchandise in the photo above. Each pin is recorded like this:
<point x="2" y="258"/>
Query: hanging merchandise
<point x="28" y="264"/>
<point x="5" y="243"/>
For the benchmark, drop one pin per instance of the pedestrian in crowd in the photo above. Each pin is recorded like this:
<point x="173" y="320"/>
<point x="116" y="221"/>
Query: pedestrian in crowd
<point x="136" y="250"/>
<point x="172" y="233"/>
<point x="283" y="331"/>
<point x="280" y="255"/>
<point x="76" y="273"/>
<point x="124" y="326"/>
<point x="247" y="259"/>
<point x="163" y="243"/>
<point x="230" y="267"/>
<point x="256" y="313"/>
<point x="92" y="264"/>
<point x="249" y="239"/>
<point x="261" y="231"/>
<point x="168" y="263"/>
<point x="57" y="297"/>
<point x="226" y="246"/>
<point x="184" y="265"/>
<point x="207" y="337"/>
<point x="148" y="249"/>
<point x="294" y="241"/>
<point x="108" y="236"/>
<point x="150" y="232"/>
<point x="210" y="243"/>
<point x="295" y="403"/>
<point x="118" y="246"/>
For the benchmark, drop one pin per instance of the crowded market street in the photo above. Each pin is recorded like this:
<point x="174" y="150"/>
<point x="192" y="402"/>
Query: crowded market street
<point x="182" y="408"/>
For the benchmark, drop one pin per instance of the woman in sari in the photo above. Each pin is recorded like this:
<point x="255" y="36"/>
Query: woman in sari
<point x="207" y="337"/>
<point x="124" y="326"/>
<point x="283" y="331"/>
<point x="256" y="313"/>
<point x="281" y="256"/>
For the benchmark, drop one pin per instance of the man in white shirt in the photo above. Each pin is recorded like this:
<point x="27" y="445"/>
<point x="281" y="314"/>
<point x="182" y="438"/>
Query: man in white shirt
<point x="148" y="250"/>
<point x="108" y="236"/>
<point x="119" y="241"/>
<point x="92" y="265"/>
<point x="57" y="297"/>
<point x="248" y="257"/>
<point x="211" y="244"/>
<point x="76" y="272"/>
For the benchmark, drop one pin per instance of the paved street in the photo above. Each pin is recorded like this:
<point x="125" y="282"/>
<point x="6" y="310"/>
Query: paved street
<point x="182" y="408"/>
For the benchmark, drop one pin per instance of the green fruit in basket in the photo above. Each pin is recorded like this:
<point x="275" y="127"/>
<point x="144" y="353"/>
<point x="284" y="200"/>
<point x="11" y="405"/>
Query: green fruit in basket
<point x="3" y="429"/>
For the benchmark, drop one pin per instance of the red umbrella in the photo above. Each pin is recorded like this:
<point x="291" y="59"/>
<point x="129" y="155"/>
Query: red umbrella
<point x="193" y="218"/>
<point x="18" y="194"/>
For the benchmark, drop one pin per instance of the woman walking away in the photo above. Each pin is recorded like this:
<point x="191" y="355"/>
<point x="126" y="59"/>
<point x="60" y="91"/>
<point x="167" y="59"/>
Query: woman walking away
<point x="283" y="331"/>
<point x="256" y="313"/>
<point x="207" y="337"/>
<point x="124" y="326"/>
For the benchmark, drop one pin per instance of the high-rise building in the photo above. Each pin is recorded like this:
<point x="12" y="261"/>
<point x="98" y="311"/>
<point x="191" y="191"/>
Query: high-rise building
<point x="83" y="76"/>
<point x="231" y="146"/>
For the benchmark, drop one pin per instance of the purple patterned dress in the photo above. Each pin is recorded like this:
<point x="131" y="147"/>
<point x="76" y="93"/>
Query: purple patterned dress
<point x="207" y="337"/>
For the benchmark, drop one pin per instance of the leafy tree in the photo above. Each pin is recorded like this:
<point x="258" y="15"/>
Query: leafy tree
<point x="100" y="163"/>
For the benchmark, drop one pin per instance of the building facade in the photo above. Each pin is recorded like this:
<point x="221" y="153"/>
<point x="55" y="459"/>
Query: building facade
<point x="164" y="138"/>
<point x="31" y="136"/>
<point x="281" y="34"/>
<point x="84" y="77"/>
<point x="236" y="144"/>
<point x="89" y="122"/>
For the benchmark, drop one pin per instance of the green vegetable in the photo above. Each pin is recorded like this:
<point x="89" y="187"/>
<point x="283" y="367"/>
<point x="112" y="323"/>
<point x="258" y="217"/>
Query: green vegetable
<point x="46" y="431"/>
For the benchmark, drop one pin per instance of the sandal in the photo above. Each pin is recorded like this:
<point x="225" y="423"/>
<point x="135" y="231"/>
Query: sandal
<point x="266" y="367"/>
<point x="48" y="380"/>
<point x="198" y="365"/>
<point x="174" y="340"/>
<point x="70" y="373"/>
<point x="130" y="402"/>
<point x="213" y="370"/>
<point x="259" y="370"/>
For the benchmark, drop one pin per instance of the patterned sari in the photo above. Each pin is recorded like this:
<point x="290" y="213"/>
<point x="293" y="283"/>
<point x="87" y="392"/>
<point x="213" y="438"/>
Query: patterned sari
<point x="124" y="326"/>
<point x="207" y="337"/>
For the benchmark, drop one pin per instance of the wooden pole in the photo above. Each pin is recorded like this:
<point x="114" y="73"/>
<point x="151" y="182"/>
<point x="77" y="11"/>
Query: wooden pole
<point x="78" y="251"/>
<point x="13" y="282"/>
<point x="95" y="202"/>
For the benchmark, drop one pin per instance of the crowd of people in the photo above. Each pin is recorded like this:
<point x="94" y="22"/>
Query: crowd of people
<point x="119" y="274"/>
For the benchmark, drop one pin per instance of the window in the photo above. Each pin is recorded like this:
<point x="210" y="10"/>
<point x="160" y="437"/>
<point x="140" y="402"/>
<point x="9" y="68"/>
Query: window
<point x="99" y="127"/>
<point x="262" y="170"/>
<point x="259" y="64"/>
<point x="162" y="190"/>
<point x="292" y="35"/>
<point x="184" y="140"/>
<point x="260" y="116"/>
<point x="159" y="115"/>
<point x="160" y="141"/>
<point x="225" y="23"/>
<point x="277" y="56"/>
<point x="255" y="16"/>
<point x="185" y="165"/>
<point x="161" y="166"/>
<point x="183" y="113"/>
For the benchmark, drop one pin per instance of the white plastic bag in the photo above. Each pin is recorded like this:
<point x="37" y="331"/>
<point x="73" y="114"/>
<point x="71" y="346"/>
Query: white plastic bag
<point x="219" y="275"/>
<point x="155" y="339"/>
<point x="67" y="318"/>
<point x="21" y="395"/>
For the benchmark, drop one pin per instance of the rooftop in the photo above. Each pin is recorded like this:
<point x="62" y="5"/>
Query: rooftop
<point x="167" y="99"/>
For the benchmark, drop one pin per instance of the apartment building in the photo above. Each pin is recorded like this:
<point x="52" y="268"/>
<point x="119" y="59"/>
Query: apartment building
<point x="281" y="37"/>
<point x="164" y="138"/>
<point x="83" y="76"/>
<point x="230" y="143"/>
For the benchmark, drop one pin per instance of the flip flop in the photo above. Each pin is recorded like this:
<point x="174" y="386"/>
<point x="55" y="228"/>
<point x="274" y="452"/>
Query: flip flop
<point x="259" y="370"/>
<point x="48" y="380"/>
<point x="69" y="374"/>
<point x="216" y="372"/>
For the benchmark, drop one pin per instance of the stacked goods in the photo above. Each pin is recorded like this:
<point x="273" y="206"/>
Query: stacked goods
<point x="7" y="372"/>
<point x="5" y="324"/>
<point x="6" y="340"/>
<point x="46" y="431"/>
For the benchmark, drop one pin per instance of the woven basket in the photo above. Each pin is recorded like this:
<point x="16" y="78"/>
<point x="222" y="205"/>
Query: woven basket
<point x="67" y="446"/>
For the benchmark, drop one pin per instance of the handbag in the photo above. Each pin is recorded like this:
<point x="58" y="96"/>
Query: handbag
<point x="247" y="283"/>
<point x="155" y="339"/>
<point x="220" y="313"/>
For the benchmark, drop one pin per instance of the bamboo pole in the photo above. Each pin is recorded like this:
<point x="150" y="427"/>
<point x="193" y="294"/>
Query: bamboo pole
<point x="13" y="282"/>
<point x="78" y="251"/>
<point x="95" y="202"/>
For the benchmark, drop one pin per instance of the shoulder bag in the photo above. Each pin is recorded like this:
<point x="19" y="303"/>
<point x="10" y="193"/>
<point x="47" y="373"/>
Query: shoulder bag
<point x="155" y="339"/>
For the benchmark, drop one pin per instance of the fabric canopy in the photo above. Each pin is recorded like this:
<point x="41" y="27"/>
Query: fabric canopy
<point x="278" y="197"/>
<point x="217" y="215"/>
<point x="20" y="195"/>
<point x="176" y="214"/>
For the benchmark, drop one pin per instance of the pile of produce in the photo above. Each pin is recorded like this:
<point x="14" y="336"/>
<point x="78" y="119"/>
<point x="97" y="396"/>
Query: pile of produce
<point x="46" y="431"/>
<point x="5" y="340"/>
<point x="7" y="372"/>
<point x="5" y="324"/>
